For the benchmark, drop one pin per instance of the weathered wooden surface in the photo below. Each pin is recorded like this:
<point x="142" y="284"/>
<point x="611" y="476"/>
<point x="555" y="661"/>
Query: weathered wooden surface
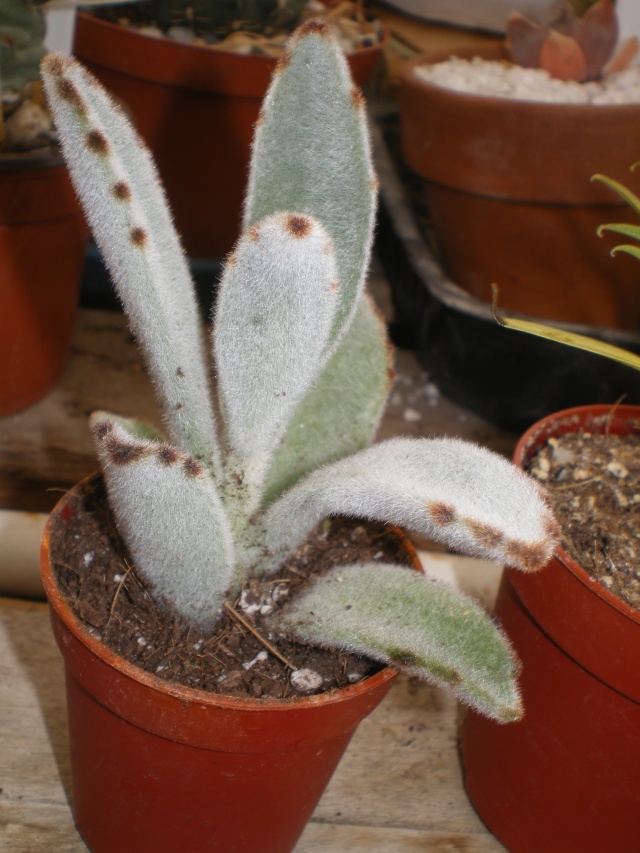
<point x="398" y="789"/>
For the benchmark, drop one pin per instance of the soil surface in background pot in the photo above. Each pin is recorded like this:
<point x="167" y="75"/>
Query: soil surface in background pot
<point x="594" y="485"/>
<point x="98" y="578"/>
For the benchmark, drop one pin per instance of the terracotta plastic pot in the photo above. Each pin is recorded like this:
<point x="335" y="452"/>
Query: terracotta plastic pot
<point x="43" y="238"/>
<point x="565" y="778"/>
<point x="196" y="108"/>
<point x="161" y="768"/>
<point x="508" y="186"/>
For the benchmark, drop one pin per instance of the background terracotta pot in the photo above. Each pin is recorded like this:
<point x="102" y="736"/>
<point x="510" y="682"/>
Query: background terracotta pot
<point x="508" y="188"/>
<point x="196" y="109"/>
<point x="43" y="238"/>
<point x="564" y="778"/>
<point x="160" y="767"/>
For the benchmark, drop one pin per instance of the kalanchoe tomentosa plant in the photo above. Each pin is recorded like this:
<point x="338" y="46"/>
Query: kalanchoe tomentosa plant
<point x="576" y="44"/>
<point x="302" y="373"/>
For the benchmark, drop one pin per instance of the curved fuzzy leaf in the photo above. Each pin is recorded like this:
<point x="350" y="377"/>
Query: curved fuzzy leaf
<point x="342" y="411"/>
<point x="457" y="493"/>
<point x="169" y="513"/>
<point x="311" y="153"/>
<point x="399" y="617"/>
<point x="125" y="205"/>
<point x="276" y="304"/>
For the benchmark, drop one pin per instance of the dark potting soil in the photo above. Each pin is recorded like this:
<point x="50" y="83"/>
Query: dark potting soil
<point x="100" y="582"/>
<point x="594" y="485"/>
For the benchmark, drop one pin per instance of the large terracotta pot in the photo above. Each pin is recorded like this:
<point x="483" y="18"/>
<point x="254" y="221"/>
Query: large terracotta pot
<point x="43" y="238"/>
<point x="565" y="778"/>
<point x="196" y="109"/>
<point x="508" y="188"/>
<point x="161" y="768"/>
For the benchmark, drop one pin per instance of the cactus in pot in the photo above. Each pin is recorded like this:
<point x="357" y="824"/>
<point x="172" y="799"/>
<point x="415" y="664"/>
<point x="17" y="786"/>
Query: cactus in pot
<point x="302" y="369"/>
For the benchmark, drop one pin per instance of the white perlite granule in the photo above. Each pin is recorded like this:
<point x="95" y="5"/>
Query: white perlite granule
<point x="502" y="80"/>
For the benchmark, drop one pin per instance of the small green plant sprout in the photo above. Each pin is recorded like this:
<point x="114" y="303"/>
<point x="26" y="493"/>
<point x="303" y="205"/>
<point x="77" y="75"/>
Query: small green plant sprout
<point x="575" y="45"/>
<point x="302" y="369"/>
<point x="584" y="342"/>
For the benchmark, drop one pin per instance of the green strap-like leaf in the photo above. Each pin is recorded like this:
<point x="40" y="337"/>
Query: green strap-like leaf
<point x="398" y="616"/>
<point x="572" y="339"/>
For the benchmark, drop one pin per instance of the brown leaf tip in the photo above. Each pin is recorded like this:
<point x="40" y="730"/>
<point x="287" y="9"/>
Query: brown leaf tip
<point x="97" y="142"/>
<point x="122" y="191"/>
<point x="298" y="226"/>
<point x="529" y="558"/>
<point x="441" y="513"/>
<point x="253" y="234"/>
<point x="55" y="64"/>
<point x="314" y="26"/>
<point x="102" y="429"/>
<point x="167" y="455"/>
<point x="138" y="236"/>
<point x="334" y="287"/>
<point x="192" y="467"/>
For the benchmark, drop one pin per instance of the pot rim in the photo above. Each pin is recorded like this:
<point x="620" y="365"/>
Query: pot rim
<point x="497" y="52"/>
<point x="535" y="437"/>
<point x="177" y="691"/>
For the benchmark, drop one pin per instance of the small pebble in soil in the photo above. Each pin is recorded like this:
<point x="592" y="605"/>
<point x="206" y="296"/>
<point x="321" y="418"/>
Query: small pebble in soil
<point x="306" y="680"/>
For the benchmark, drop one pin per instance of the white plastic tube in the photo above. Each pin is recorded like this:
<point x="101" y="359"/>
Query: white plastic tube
<point x="20" y="535"/>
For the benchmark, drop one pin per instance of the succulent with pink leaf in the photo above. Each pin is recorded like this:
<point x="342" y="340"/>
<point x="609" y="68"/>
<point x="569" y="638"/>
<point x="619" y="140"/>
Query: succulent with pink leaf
<point x="572" y="46"/>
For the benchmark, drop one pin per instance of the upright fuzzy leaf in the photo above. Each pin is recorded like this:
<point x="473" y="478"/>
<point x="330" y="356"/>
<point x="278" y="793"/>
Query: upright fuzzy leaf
<point x="118" y="184"/>
<point x="316" y="159"/>
<point x="171" y="517"/>
<point x="472" y="500"/>
<point x="275" y="308"/>
<point x="398" y="616"/>
<point x="341" y="412"/>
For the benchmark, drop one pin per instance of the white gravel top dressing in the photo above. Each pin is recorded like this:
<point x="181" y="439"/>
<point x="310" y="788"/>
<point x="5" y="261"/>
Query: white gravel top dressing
<point x="502" y="80"/>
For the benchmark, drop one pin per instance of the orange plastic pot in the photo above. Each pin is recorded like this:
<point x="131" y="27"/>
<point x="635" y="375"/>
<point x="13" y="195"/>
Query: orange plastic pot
<point x="160" y="768"/>
<point x="509" y="191"/>
<point x="196" y="109"/>
<point x="43" y="238"/>
<point x="565" y="778"/>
